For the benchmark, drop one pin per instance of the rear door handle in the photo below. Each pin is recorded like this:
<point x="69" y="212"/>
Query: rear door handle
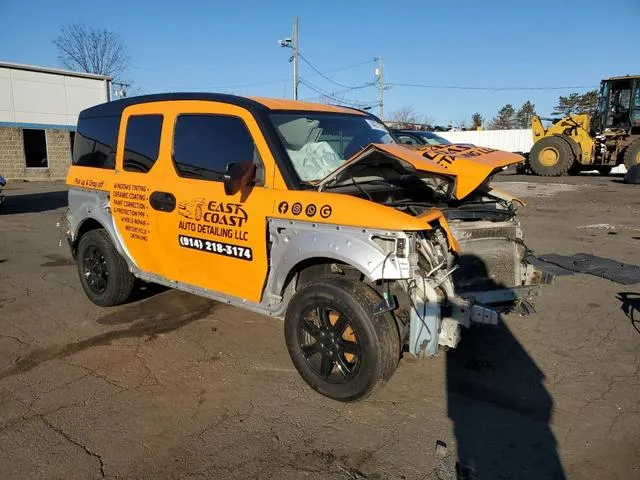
<point x="163" y="201"/>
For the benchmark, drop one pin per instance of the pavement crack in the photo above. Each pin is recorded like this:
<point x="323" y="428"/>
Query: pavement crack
<point x="91" y="371"/>
<point x="21" y="342"/>
<point x="73" y="441"/>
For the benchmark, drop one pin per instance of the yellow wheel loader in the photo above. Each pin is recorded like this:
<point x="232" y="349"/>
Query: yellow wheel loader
<point x="591" y="142"/>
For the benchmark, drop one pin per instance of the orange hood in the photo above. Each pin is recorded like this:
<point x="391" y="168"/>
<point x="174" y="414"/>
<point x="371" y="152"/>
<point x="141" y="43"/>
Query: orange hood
<point x="469" y="167"/>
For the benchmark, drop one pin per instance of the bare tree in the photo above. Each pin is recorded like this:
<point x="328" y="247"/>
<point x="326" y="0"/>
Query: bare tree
<point x="404" y="115"/>
<point x="92" y="50"/>
<point x="462" y="124"/>
<point x="429" y="120"/>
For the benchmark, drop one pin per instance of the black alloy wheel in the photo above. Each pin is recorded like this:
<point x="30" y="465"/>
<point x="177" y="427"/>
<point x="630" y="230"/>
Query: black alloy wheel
<point x="329" y="343"/>
<point x="94" y="268"/>
<point x="338" y="343"/>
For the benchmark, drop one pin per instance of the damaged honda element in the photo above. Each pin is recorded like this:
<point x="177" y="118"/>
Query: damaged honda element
<point x="305" y="212"/>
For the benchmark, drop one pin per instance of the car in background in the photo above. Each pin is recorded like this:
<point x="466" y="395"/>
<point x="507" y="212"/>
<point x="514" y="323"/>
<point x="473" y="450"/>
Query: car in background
<point x="3" y="183"/>
<point x="421" y="137"/>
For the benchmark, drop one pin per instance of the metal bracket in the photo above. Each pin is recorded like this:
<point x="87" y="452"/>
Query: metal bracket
<point x="502" y="295"/>
<point x="467" y="311"/>
<point x="533" y="276"/>
<point x="481" y="314"/>
<point x="388" y="303"/>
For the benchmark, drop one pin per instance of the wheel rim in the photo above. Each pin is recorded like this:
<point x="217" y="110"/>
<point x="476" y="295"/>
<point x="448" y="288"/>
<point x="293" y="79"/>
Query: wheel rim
<point x="330" y="343"/>
<point x="549" y="156"/>
<point x="637" y="159"/>
<point x="94" y="268"/>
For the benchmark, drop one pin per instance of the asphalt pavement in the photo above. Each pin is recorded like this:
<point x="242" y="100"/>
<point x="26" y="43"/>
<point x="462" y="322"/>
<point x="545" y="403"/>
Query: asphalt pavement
<point x="177" y="386"/>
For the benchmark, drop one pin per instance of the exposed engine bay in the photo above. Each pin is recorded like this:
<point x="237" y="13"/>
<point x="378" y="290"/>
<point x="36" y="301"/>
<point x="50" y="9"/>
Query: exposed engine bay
<point x="484" y="222"/>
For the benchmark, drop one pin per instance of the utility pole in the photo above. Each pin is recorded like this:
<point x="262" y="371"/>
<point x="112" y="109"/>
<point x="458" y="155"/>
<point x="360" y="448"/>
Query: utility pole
<point x="380" y="89"/>
<point x="295" y="58"/>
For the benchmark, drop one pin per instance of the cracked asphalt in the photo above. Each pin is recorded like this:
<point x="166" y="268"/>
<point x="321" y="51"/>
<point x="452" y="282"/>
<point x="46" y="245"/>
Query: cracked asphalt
<point x="177" y="386"/>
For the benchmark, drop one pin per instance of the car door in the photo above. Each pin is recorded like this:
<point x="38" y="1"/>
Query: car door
<point x="212" y="240"/>
<point x="138" y="161"/>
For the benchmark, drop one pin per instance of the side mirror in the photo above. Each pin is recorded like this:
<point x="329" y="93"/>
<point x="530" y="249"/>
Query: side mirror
<point x="237" y="176"/>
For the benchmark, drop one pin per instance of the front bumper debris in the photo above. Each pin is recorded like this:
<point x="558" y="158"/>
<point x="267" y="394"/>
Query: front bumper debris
<point x="435" y="322"/>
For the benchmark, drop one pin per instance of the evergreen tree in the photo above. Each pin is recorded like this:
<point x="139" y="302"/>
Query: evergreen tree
<point x="576" y="103"/>
<point x="524" y="114"/>
<point x="476" y="121"/>
<point x="505" y="118"/>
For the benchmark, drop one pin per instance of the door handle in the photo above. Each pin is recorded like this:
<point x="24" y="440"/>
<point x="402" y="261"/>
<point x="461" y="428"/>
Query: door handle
<point x="162" y="201"/>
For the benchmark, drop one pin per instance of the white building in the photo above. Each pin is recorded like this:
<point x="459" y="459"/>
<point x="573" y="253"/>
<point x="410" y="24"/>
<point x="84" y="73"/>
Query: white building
<point x="39" y="110"/>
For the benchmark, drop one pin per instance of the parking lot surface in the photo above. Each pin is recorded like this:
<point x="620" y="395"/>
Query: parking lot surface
<point x="177" y="386"/>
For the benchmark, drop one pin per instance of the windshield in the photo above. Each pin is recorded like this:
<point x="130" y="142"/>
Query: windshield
<point x="317" y="143"/>
<point x="433" y="139"/>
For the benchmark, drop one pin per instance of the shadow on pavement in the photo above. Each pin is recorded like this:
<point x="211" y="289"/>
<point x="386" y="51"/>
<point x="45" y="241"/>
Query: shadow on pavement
<point x="631" y="307"/>
<point x="500" y="408"/>
<point x="161" y="314"/>
<point x="34" y="202"/>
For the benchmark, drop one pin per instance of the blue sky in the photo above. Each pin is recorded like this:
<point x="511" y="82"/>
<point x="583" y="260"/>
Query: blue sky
<point x="232" y="46"/>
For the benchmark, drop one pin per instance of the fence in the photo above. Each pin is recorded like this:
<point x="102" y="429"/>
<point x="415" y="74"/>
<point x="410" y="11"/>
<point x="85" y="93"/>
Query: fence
<point x="520" y="140"/>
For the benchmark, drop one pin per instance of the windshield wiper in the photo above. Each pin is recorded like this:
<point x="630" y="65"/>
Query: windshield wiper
<point x="357" y="185"/>
<point x="362" y="182"/>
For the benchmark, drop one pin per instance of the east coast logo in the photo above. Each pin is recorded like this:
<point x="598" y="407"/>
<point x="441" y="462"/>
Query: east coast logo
<point x="218" y="213"/>
<point x="211" y="217"/>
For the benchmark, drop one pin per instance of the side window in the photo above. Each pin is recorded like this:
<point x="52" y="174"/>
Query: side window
<point x="203" y="145"/>
<point x="95" y="142"/>
<point x="407" y="140"/>
<point x="142" y="142"/>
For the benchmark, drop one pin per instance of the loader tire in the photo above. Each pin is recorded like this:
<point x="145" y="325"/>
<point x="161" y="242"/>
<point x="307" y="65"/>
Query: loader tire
<point x="632" y="155"/>
<point x="551" y="157"/>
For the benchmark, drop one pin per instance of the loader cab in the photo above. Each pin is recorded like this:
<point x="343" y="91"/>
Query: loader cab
<point x="619" y="104"/>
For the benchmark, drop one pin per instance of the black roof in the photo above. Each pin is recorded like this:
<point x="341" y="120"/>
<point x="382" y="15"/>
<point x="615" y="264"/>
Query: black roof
<point x="117" y="106"/>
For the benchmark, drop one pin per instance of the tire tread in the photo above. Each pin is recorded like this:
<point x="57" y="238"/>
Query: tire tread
<point x="386" y="332"/>
<point x="566" y="161"/>
<point x="124" y="279"/>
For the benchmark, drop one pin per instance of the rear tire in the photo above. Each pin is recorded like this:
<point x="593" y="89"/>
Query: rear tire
<point x="632" y="155"/>
<point x="104" y="274"/>
<point x="551" y="157"/>
<point x="315" y="336"/>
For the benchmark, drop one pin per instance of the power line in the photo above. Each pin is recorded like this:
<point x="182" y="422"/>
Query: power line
<point x="337" y="92"/>
<point x="283" y="80"/>
<point x="305" y="60"/>
<point x="332" y="96"/>
<point x="495" y="89"/>
<point x="353" y="65"/>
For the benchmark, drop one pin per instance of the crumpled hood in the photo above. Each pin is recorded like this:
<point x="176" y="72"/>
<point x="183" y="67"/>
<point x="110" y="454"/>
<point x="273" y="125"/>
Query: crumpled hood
<point x="468" y="166"/>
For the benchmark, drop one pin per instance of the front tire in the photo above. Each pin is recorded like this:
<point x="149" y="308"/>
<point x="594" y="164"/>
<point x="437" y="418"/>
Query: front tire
<point x="336" y="343"/>
<point x="632" y="155"/>
<point x="104" y="274"/>
<point x="551" y="157"/>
